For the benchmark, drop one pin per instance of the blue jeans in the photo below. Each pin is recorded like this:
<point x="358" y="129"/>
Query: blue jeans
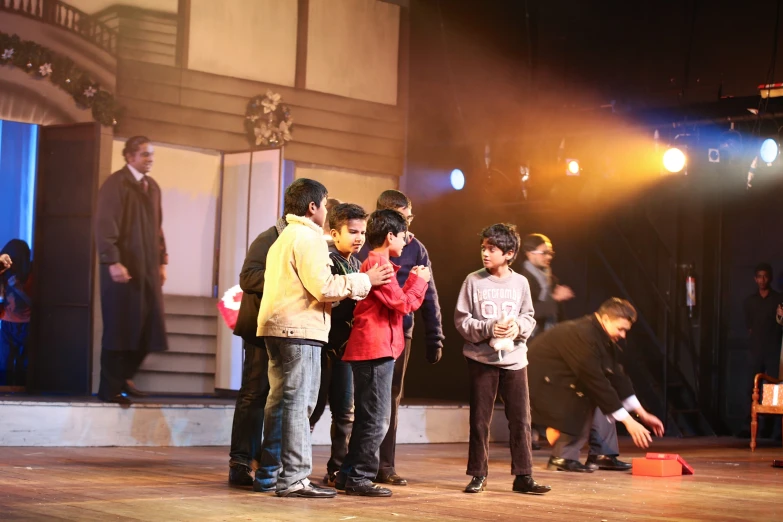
<point x="372" y="381"/>
<point x="13" y="353"/>
<point x="294" y="379"/>
<point x="248" y="426"/>
<point x="337" y="390"/>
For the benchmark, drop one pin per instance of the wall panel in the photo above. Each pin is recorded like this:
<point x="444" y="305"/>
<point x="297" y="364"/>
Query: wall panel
<point x="253" y="39"/>
<point x="353" y="48"/>
<point x="349" y="187"/>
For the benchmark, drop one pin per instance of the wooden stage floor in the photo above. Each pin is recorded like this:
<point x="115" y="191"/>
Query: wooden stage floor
<point x="189" y="484"/>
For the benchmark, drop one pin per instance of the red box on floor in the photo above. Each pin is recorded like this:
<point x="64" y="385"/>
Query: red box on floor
<point x="656" y="468"/>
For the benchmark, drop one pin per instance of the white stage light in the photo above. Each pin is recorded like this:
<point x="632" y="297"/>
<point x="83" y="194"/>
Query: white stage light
<point x="457" y="179"/>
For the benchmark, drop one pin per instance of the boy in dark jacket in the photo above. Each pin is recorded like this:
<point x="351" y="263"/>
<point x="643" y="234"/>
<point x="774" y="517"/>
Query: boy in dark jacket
<point x="248" y="426"/>
<point x="348" y="228"/>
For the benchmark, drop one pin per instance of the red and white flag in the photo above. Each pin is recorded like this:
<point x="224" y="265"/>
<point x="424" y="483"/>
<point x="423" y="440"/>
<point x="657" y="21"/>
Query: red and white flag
<point x="229" y="305"/>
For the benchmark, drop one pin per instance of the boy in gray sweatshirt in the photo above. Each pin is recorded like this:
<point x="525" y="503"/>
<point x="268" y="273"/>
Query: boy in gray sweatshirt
<point x="494" y="314"/>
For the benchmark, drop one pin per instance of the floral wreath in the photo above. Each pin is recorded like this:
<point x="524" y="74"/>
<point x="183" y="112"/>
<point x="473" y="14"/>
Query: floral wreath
<point x="42" y="62"/>
<point x="267" y="121"/>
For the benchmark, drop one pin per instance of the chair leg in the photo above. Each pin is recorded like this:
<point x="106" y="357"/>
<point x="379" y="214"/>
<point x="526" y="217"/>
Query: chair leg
<point x="754" y="425"/>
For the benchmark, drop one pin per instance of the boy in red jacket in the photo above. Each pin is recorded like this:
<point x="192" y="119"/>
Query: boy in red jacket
<point x="376" y="341"/>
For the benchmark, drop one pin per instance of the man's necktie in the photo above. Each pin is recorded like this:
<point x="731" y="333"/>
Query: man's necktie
<point x="145" y="185"/>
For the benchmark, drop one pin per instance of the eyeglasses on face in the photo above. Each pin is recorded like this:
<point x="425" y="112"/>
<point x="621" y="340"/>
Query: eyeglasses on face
<point x="550" y="253"/>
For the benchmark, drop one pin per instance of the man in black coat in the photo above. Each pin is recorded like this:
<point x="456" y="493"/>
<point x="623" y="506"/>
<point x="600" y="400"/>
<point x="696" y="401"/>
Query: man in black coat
<point x="574" y="369"/>
<point x="248" y="426"/>
<point x="132" y="256"/>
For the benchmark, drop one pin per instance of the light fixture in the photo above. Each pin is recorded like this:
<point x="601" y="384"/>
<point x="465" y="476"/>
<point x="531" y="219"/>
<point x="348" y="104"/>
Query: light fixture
<point x="769" y="150"/>
<point x="457" y="179"/>
<point x="674" y="160"/>
<point x="572" y="167"/>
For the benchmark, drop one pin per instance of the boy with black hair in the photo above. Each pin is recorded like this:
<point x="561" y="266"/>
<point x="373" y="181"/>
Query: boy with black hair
<point x="376" y="341"/>
<point x="414" y="254"/>
<point x="348" y="227"/>
<point x="494" y="305"/>
<point x="294" y="319"/>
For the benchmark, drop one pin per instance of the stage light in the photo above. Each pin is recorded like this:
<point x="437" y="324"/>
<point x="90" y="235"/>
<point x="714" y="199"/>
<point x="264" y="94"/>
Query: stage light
<point x="457" y="179"/>
<point x="769" y="150"/>
<point x="573" y="167"/>
<point x="674" y="160"/>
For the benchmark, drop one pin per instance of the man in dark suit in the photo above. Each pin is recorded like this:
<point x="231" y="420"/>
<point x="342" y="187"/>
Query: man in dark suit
<point x="248" y="427"/>
<point x="132" y="256"/>
<point x="574" y="369"/>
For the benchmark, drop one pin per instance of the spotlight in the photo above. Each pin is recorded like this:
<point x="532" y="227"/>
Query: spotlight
<point x="572" y="167"/>
<point x="674" y="160"/>
<point x="457" y="179"/>
<point x="769" y="150"/>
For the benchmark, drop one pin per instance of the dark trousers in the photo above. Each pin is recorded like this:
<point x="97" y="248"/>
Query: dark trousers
<point x="485" y="383"/>
<point x="13" y="353"/>
<point x="601" y="432"/>
<point x="603" y="435"/>
<point x="337" y="390"/>
<point x="372" y="382"/>
<point x="248" y="428"/>
<point x="389" y="444"/>
<point x="117" y="367"/>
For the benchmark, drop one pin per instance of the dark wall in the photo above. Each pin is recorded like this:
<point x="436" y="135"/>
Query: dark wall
<point x="504" y="74"/>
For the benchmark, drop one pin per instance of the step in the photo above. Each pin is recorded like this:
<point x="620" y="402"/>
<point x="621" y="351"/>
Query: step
<point x="163" y="382"/>
<point x="192" y="324"/>
<point x="186" y="343"/>
<point x="167" y="362"/>
<point x="190" y="305"/>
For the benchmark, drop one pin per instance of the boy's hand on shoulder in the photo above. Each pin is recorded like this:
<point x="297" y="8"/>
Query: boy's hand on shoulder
<point x="380" y="275"/>
<point x="423" y="272"/>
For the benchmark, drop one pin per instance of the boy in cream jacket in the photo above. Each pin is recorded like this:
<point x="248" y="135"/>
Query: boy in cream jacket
<point x="294" y="318"/>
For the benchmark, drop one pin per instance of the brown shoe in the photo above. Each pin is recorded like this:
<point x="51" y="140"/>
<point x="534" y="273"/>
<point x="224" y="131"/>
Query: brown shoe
<point x="390" y="478"/>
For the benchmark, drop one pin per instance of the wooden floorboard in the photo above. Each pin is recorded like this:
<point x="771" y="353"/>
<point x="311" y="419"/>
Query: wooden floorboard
<point x="189" y="484"/>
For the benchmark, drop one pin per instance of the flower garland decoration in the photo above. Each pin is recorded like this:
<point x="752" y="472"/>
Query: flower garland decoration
<point x="41" y="62"/>
<point x="267" y="121"/>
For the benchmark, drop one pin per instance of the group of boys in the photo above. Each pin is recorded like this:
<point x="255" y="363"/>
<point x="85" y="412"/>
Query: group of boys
<point x="294" y="279"/>
<point x="308" y="296"/>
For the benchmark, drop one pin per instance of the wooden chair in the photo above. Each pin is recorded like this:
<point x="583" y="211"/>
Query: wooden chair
<point x="756" y="407"/>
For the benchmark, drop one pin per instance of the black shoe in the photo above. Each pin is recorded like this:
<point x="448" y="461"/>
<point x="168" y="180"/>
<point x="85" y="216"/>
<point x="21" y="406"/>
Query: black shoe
<point x="560" y="464"/>
<point x="368" y="490"/>
<point x="592" y="466"/>
<point x="477" y="485"/>
<point x="120" y="399"/>
<point x="329" y="479"/>
<point x="240" y="475"/>
<point x="307" y="491"/>
<point x="608" y="463"/>
<point x="526" y="484"/>
<point x="390" y="478"/>
<point x="133" y="391"/>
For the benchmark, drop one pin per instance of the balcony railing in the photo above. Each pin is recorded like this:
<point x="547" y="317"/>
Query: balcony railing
<point x="62" y="15"/>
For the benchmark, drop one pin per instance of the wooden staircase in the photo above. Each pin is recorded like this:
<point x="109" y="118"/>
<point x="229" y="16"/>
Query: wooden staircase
<point x="188" y="367"/>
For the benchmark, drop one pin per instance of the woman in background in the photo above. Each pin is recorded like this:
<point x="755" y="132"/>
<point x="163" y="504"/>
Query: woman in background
<point x="15" y="305"/>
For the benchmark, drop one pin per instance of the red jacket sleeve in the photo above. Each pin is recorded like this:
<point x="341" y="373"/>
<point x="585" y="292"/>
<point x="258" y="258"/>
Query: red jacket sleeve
<point x="406" y="299"/>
